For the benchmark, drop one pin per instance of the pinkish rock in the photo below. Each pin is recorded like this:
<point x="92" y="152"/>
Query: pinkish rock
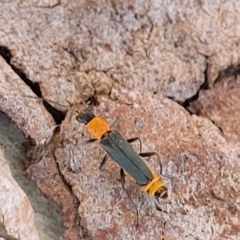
<point x="221" y="105"/>
<point x="198" y="172"/>
<point x="16" y="213"/>
<point x="29" y="114"/>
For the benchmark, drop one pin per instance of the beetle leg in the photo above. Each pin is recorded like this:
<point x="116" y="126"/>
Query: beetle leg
<point x="105" y="158"/>
<point x="91" y="140"/>
<point x="149" y="154"/>
<point x="122" y="179"/>
<point x="130" y="140"/>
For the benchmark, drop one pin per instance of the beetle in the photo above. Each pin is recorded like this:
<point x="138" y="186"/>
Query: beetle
<point x="121" y="151"/>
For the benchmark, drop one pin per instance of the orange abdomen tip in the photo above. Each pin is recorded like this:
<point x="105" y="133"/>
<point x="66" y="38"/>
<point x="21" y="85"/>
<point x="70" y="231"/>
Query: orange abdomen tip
<point x="97" y="127"/>
<point x="155" y="185"/>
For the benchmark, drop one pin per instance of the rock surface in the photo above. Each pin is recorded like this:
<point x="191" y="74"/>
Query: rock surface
<point x="47" y="216"/>
<point x="68" y="51"/>
<point x="197" y="172"/>
<point x="24" y="111"/>
<point x="46" y="176"/>
<point x="161" y="47"/>
<point x="16" y="213"/>
<point x="221" y="106"/>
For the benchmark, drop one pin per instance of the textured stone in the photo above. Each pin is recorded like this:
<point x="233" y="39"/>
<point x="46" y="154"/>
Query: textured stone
<point x="159" y="46"/>
<point x="29" y="114"/>
<point x="164" y="47"/>
<point x="201" y="174"/>
<point x="16" y="213"/>
<point x="47" y="216"/>
<point x="221" y="104"/>
<point x="46" y="176"/>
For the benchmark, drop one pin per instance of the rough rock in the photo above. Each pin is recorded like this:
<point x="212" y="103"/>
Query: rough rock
<point x="221" y="105"/>
<point x="169" y="48"/>
<point x="47" y="216"/>
<point x="28" y="113"/>
<point x="46" y="176"/>
<point x="16" y="213"/>
<point x="201" y="175"/>
<point x="157" y="46"/>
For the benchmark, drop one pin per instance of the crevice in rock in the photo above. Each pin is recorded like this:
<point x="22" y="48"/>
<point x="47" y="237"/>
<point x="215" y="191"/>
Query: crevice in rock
<point x="35" y="87"/>
<point x="211" y="103"/>
<point x="230" y="71"/>
<point x="65" y="182"/>
<point x="186" y="103"/>
<point x="204" y="86"/>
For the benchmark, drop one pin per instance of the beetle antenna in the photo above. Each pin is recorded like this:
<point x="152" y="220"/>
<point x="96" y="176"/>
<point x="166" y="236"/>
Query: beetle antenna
<point x="50" y="101"/>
